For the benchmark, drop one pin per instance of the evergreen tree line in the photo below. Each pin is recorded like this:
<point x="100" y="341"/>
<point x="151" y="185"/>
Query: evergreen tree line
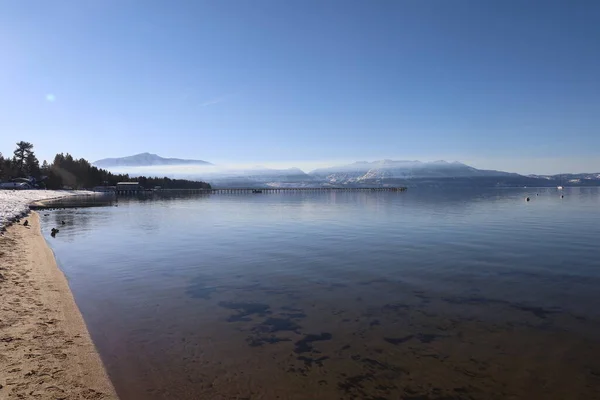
<point x="66" y="171"/>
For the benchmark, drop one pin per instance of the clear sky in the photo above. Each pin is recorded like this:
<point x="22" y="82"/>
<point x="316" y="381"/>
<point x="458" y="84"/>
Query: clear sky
<point x="511" y="85"/>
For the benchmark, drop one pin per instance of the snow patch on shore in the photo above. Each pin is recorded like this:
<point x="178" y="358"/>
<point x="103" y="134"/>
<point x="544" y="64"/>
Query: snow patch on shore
<point x="14" y="203"/>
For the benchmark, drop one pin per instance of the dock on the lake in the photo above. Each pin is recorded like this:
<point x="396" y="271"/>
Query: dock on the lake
<point x="262" y="190"/>
<point x="108" y="198"/>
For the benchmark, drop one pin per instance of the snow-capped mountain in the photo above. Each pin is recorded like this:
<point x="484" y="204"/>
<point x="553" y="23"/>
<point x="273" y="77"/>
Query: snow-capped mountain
<point x="362" y="172"/>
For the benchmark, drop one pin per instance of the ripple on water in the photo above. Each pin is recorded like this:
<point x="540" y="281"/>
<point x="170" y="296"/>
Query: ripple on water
<point x="420" y="295"/>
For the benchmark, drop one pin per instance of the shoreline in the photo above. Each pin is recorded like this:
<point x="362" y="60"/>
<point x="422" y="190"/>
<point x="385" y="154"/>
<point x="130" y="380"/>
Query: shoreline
<point x="45" y="348"/>
<point x="16" y="204"/>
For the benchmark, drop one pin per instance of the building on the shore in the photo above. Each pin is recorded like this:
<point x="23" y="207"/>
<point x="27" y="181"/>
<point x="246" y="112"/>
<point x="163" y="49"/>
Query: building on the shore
<point x="129" y="187"/>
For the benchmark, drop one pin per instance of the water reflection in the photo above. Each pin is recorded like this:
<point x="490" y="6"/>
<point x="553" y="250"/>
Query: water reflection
<point x="423" y="294"/>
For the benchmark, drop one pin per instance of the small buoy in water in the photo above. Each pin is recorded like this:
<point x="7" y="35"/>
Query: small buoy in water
<point x="25" y="223"/>
<point x="537" y="194"/>
<point x="562" y="196"/>
<point x="527" y="199"/>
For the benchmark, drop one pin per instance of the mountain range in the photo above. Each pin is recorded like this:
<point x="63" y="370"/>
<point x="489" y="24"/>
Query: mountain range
<point x="376" y="171"/>
<point x="362" y="173"/>
<point x="144" y="160"/>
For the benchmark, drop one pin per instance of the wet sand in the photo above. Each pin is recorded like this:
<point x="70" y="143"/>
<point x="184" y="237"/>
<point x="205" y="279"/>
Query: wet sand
<point x="45" y="349"/>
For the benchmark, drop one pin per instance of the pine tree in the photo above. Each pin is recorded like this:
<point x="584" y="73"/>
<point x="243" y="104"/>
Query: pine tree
<point x="21" y="153"/>
<point x="32" y="165"/>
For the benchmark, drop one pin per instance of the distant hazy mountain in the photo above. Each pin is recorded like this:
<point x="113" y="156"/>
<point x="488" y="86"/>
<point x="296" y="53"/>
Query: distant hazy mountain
<point x="145" y="160"/>
<point x="362" y="173"/>
<point x="258" y="177"/>
<point x="594" y="175"/>
<point x="278" y="175"/>
<point x="377" y="171"/>
<point x="583" y="179"/>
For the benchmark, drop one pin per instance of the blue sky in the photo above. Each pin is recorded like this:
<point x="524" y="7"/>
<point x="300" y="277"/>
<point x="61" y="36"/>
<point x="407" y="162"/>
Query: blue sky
<point x="512" y="85"/>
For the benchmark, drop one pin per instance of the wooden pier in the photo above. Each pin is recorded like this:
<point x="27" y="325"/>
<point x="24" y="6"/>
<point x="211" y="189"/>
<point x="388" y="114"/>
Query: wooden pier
<point x="109" y="198"/>
<point x="261" y="190"/>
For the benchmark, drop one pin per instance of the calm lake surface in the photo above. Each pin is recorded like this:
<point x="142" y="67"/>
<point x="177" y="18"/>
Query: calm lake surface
<point x="418" y="295"/>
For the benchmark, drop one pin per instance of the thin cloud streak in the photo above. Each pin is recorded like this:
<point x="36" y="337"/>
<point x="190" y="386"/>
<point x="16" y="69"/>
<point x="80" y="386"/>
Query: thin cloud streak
<point x="217" y="100"/>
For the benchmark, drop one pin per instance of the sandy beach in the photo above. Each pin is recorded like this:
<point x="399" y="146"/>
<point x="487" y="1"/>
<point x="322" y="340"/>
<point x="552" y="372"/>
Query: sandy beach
<point x="45" y="348"/>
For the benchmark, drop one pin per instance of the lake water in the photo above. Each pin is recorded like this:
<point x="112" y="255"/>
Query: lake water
<point x="418" y="295"/>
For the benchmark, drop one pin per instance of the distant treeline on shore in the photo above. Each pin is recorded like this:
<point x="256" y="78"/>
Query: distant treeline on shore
<point x="66" y="171"/>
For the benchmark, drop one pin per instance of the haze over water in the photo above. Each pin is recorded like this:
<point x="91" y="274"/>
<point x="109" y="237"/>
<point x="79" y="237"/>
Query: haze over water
<point x="419" y="295"/>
